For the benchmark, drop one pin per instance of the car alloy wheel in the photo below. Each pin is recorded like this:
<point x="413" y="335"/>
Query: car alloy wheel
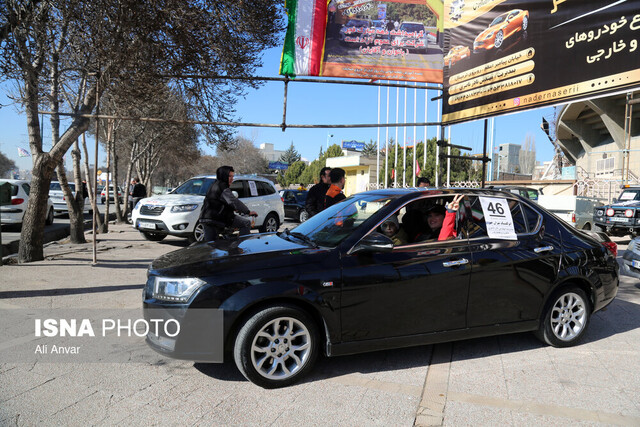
<point x="499" y="39"/>
<point x="566" y="319"/>
<point x="49" y="219"/>
<point x="198" y="233"/>
<point x="270" y="224"/>
<point x="525" y="23"/>
<point x="276" y="346"/>
<point x="303" y="216"/>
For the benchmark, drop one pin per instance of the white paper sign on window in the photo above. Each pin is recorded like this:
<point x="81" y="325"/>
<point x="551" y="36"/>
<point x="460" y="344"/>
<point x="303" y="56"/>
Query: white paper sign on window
<point x="252" y="188"/>
<point x="497" y="216"/>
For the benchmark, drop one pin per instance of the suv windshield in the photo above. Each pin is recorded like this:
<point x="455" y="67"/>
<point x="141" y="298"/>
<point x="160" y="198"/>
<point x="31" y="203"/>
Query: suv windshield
<point x="629" y="195"/>
<point x="334" y="224"/>
<point x="411" y="28"/>
<point x="197" y="186"/>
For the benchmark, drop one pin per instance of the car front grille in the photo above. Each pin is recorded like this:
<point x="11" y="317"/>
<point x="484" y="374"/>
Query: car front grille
<point x="151" y="210"/>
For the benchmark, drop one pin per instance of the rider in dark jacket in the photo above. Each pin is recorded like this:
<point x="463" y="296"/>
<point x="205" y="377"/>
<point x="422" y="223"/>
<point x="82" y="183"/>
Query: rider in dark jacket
<point x="220" y="206"/>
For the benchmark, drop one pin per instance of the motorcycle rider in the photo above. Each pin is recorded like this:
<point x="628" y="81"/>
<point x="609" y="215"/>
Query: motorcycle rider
<point x="220" y="206"/>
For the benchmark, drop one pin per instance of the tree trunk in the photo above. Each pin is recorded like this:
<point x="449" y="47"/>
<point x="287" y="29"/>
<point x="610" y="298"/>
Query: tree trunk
<point x="114" y="171"/>
<point x="76" y="231"/>
<point x="105" y="224"/>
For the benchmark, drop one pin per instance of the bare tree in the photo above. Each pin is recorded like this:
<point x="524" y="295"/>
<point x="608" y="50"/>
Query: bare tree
<point x="243" y="156"/>
<point x="528" y="155"/>
<point x="110" y="40"/>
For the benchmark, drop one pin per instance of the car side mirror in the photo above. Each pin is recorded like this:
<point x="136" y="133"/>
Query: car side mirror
<point x="374" y="242"/>
<point x="235" y="194"/>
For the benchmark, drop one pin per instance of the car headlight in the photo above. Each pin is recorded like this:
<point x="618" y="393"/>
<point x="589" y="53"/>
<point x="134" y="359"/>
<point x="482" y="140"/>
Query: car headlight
<point x="175" y="289"/>
<point x="137" y="206"/>
<point x="599" y="212"/>
<point x="183" y="208"/>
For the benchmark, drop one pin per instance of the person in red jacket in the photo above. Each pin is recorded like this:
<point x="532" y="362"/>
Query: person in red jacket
<point x="442" y="221"/>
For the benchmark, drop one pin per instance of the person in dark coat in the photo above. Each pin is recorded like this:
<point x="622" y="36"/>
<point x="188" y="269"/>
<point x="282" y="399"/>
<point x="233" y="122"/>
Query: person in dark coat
<point x="334" y="193"/>
<point x="137" y="192"/>
<point x="315" y="197"/>
<point x="220" y="207"/>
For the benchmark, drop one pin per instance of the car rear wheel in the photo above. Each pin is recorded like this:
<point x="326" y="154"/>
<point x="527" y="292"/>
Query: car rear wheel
<point x="566" y="318"/>
<point x="303" y="215"/>
<point x="499" y="39"/>
<point x="276" y="347"/>
<point x="49" y="219"/>
<point x="154" y="237"/>
<point x="270" y="224"/>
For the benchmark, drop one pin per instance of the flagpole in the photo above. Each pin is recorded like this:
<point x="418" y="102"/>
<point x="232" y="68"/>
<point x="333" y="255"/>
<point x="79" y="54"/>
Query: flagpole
<point x="404" y="160"/>
<point x="426" y="99"/>
<point x="438" y="147"/>
<point x="449" y="158"/>
<point x="395" y="159"/>
<point x="378" y="140"/>
<point x="415" y="143"/>
<point x="386" y="142"/>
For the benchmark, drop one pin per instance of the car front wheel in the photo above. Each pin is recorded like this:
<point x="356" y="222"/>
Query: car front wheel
<point x="270" y="224"/>
<point x="49" y="219"/>
<point x="154" y="237"/>
<point x="499" y="39"/>
<point x="276" y="347"/>
<point x="566" y="318"/>
<point x="198" y="233"/>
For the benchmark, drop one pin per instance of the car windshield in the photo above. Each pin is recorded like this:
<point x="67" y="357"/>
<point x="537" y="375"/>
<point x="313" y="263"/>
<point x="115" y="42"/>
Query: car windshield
<point x="55" y="186"/>
<point x="196" y="186"/>
<point x="357" y="23"/>
<point x="498" y="19"/>
<point x="336" y="223"/>
<point x="629" y="195"/>
<point x="410" y="28"/>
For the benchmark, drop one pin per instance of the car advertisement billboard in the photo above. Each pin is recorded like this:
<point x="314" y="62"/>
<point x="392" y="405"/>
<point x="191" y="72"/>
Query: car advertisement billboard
<point x="506" y="56"/>
<point x="390" y="40"/>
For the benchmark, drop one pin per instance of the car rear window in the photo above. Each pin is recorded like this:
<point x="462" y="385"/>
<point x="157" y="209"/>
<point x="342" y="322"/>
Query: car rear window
<point x="55" y="186"/>
<point x="264" y="189"/>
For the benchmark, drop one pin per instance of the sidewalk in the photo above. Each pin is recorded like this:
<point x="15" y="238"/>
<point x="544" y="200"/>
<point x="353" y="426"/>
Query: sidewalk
<point x="510" y="380"/>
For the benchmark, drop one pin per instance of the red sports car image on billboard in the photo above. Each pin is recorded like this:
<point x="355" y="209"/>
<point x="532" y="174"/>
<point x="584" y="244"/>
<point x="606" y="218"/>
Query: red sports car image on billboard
<point x="502" y="27"/>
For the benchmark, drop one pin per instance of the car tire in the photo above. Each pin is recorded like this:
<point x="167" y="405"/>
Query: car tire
<point x="565" y="318"/>
<point x="525" y="23"/>
<point x="153" y="237"/>
<point x="499" y="39"/>
<point x="49" y="219"/>
<point x="277" y="346"/>
<point x="270" y="224"/>
<point x="102" y="200"/>
<point x="198" y="234"/>
<point x="303" y="215"/>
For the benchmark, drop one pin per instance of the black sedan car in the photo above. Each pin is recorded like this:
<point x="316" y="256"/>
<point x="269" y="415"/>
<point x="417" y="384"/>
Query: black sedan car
<point x="294" y="201"/>
<point x="338" y="284"/>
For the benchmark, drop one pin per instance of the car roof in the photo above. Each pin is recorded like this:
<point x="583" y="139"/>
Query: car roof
<point x="14" y="181"/>
<point x="432" y="191"/>
<point x="236" y="177"/>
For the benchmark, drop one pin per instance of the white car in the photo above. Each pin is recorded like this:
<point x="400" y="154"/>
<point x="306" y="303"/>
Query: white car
<point x="57" y="197"/>
<point x="177" y="213"/>
<point x="103" y="194"/>
<point x="14" y="213"/>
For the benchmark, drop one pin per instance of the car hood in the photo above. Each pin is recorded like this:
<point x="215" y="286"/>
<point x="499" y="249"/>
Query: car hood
<point x="245" y="254"/>
<point x="172" y="199"/>
<point x="486" y="32"/>
<point x="627" y="204"/>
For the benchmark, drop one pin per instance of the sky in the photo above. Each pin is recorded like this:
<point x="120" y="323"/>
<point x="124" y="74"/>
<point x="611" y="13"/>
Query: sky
<point x="318" y="103"/>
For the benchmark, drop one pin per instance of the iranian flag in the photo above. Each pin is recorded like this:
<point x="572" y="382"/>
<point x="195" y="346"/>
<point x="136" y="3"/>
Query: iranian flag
<point x="304" y="42"/>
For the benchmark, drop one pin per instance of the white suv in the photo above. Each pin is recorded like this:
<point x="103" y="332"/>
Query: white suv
<point x="177" y="213"/>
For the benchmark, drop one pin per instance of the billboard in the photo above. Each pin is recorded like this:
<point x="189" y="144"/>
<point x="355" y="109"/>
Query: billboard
<point x="387" y="40"/>
<point x="353" y="145"/>
<point x="505" y="56"/>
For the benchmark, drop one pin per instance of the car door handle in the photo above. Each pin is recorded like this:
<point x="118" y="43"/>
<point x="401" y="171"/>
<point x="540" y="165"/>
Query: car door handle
<point x="455" y="263"/>
<point x="543" y="249"/>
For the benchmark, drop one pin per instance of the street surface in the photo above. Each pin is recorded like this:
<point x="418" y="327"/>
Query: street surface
<point x="505" y="380"/>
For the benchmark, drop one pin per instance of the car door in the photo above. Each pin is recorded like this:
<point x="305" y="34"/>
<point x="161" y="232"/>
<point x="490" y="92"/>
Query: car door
<point x="290" y="205"/>
<point x="417" y="288"/>
<point x="511" y="277"/>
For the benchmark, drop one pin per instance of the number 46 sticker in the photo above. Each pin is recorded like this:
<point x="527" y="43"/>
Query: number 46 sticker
<point x="497" y="215"/>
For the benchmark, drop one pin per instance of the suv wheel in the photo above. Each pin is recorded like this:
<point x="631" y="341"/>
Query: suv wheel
<point x="270" y="224"/>
<point x="276" y="346"/>
<point x="154" y="237"/>
<point x="303" y="215"/>
<point x="198" y="234"/>
<point x="566" y="318"/>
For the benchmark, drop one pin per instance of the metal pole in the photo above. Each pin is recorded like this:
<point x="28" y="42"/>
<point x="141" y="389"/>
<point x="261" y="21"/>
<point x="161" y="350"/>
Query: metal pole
<point x="484" y="154"/>
<point x="492" y="132"/>
<point x="395" y="159"/>
<point x="378" y="140"/>
<point x="404" y="160"/>
<point x="95" y="172"/>
<point x="426" y="99"/>
<point x="284" y="104"/>
<point x="386" y="145"/>
<point x="449" y="158"/>
<point x="415" y="137"/>
<point x="441" y="133"/>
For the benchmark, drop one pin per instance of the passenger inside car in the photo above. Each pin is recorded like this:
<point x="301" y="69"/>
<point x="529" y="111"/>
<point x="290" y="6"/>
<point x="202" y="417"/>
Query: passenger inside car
<point x="391" y="229"/>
